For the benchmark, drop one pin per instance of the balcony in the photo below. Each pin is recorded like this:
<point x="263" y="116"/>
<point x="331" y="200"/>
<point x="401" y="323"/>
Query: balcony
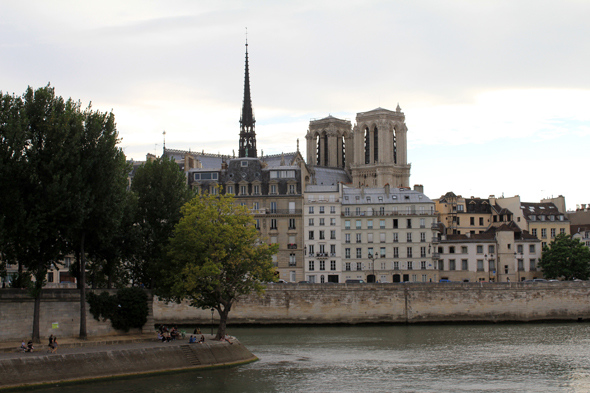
<point x="435" y="239"/>
<point x="292" y="246"/>
<point x="435" y="255"/>
<point x="280" y="211"/>
<point x="321" y="255"/>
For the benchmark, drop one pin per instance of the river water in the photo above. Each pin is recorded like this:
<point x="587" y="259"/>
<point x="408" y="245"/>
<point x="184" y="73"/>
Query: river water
<point x="548" y="357"/>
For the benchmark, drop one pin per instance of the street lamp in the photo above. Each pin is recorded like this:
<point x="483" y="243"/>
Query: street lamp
<point x="372" y="258"/>
<point x="212" y="311"/>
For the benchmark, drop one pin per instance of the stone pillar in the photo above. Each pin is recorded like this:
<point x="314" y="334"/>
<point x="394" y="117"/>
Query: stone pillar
<point x="332" y="149"/>
<point x="402" y="145"/>
<point x="339" y="151"/>
<point x="311" y="149"/>
<point x="322" y="150"/>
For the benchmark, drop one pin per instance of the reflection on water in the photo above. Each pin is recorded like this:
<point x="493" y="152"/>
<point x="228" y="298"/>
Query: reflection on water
<point x="425" y="358"/>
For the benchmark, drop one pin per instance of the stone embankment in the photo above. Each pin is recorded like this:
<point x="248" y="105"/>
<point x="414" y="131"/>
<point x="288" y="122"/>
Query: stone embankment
<point x="132" y="358"/>
<point x="397" y="303"/>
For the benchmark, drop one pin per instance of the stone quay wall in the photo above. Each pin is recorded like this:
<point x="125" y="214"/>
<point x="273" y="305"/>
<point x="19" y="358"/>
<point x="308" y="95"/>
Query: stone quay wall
<point x="396" y="303"/>
<point x="61" y="306"/>
<point x="111" y="361"/>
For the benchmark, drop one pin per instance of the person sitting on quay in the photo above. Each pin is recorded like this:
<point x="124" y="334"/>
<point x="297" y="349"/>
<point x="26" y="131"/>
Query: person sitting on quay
<point x="226" y="338"/>
<point x="197" y="331"/>
<point x="23" y="346"/>
<point x="192" y="339"/>
<point x="202" y="339"/>
<point x="30" y="346"/>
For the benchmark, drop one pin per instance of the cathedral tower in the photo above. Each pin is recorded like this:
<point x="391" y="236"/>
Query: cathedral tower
<point x="247" y="121"/>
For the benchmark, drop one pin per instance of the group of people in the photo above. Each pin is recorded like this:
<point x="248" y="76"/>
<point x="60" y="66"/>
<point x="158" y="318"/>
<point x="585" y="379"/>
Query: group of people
<point x="167" y="335"/>
<point x="51" y="347"/>
<point x="193" y="339"/>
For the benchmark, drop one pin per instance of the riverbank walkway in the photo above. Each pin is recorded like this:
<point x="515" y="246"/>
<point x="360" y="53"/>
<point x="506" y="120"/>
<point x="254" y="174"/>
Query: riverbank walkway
<point x="97" y="343"/>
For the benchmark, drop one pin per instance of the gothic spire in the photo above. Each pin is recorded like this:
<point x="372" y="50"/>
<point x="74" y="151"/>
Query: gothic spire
<point x="247" y="121"/>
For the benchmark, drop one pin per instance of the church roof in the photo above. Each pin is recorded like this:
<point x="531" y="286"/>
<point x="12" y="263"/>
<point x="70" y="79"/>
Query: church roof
<point x="330" y="176"/>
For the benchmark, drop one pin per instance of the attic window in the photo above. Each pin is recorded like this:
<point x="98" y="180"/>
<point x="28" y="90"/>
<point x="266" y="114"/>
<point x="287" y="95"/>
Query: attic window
<point x="420" y="196"/>
<point x="358" y="198"/>
<point x="346" y="197"/>
<point x="380" y="199"/>
<point x="244" y="163"/>
<point x="368" y="199"/>
<point x="407" y="197"/>
<point x="394" y="197"/>
<point x="541" y="207"/>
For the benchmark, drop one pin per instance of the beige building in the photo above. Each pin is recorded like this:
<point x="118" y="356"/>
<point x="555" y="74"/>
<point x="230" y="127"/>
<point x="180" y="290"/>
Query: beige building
<point x="500" y="254"/>
<point x="463" y="215"/>
<point x="388" y="235"/>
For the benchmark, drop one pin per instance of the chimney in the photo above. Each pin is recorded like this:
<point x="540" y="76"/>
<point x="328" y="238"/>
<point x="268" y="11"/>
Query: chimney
<point x="419" y="188"/>
<point x="363" y="191"/>
<point x="387" y="190"/>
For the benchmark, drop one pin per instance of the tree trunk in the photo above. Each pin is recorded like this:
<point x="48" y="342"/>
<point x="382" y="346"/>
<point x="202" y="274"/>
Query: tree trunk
<point x="222" y="322"/>
<point x="39" y="277"/>
<point x="78" y="265"/>
<point x="83" y="333"/>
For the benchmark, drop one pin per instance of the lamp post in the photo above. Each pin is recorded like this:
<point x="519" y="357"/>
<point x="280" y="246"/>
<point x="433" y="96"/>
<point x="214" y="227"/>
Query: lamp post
<point x="518" y="263"/>
<point x="372" y="258"/>
<point x="212" y="311"/>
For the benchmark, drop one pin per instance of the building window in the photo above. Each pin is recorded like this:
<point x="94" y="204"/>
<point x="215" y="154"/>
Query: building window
<point x="422" y="223"/>
<point x="347" y="211"/>
<point x="423" y="266"/>
<point x="395" y="265"/>
<point x="256" y="190"/>
<point x="423" y="252"/>
<point x="332" y="208"/>
<point x="332" y="250"/>
<point x="369" y="237"/>
<point x="480" y="249"/>
<point x="533" y="265"/>
<point x="491" y="249"/>
<point x="243" y="190"/>
<point x="464" y="265"/>
<point x="409" y="252"/>
<point x="382" y="237"/>
<point x="358" y="224"/>
<point x="273" y="189"/>
<point x="332" y="235"/>
<point x="463" y="250"/>
<point x="480" y="265"/>
<point x="395" y="223"/>
<point x="370" y="224"/>
<point x="358" y="238"/>
<point x="451" y="250"/>
<point x="359" y="253"/>
<point x="292" y="260"/>
<point x="311" y="266"/>
<point x="382" y="252"/>
<point x="230" y="190"/>
<point x="347" y="238"/>
<point x="332" y="265"/>
<point x="552" y="232"/>
<point x="472" y="221"/>
<point x="491" y="265"/>
<point x="322" y="237"/>
<point x="347" y="267"/>
<point x="534" y="231"/>
<point x="311" y="222"/>
<point x="359" y="266"/>
<point x="562" y="230"/>
<point x="311" y="237"/>
<point x="451" y="264"/>
<point x="273" y="223"/>
<point x="291" y="223"/>
<point x="519" y="248"/>
<point x="382" y="224"/>
<point x="531" y="249"/>
<point x="332" y="221"/>
<point x="396" y="252"/>
<point x="395" y="237"/>
<point x="258" y="223"/>
<point x="409" y="223"/>
<point x="409" y="237"/>
<point x="441" y="265"/>
<point x="322" y="265"/>
<point x="322" y="221"/>
<point x="273" y="207"/>
<point x="321" y="210"/>
<point x="291" y="188"/>
<point x="422" y="237"/>
<point x="347" y="224"/>
<point x="347" y="253"/>
<point x="544" y="233"/>
<point x="358" y="211"/>
<point x="481" y="221"/>
<point x="311" y="210"/>
<point x="410" y="265"/>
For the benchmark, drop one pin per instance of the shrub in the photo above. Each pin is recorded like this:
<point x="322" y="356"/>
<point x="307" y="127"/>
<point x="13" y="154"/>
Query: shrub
<point x="126" y="309"/>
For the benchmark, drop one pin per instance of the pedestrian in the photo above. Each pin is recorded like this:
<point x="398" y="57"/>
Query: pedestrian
<point x="55" y="345"/>
<point x="50" y="345"/>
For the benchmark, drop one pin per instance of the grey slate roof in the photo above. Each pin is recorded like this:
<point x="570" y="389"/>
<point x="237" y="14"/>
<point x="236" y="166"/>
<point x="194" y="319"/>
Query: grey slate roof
<point x="209" y="161"/>
<point x="330" y="176"/>
<point x="396" y="195"/>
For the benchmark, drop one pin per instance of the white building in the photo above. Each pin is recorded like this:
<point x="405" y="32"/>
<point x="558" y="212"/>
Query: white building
<point x="388" y="234"/>
<point x="322" y="234"/>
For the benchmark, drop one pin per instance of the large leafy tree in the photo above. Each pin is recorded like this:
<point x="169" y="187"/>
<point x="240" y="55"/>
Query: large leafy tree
<point x="160" y="190"/>
<point x="37" y="165"/>
<point x="566" y="257"/>
<point x="215" y="256"/>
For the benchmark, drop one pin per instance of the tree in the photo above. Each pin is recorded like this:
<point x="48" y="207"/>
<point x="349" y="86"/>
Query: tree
<point x="215" y="256"/>
<point x="161" y="190"/>
<point x="37" y="132"/>
<point x="566" y="257"/>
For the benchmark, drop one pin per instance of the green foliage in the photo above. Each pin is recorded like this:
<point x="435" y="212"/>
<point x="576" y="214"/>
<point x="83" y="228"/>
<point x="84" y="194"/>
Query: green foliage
<point x="566" y="257"/>
<point x="160" y="191"/>
<point x="127" y="309"/>
<point x="216" y="256"/>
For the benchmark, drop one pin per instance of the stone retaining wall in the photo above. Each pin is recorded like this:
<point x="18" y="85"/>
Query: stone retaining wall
<point x="57" y="305"/>
<point x="397" y="303"/>
<point x="115" y="362"/>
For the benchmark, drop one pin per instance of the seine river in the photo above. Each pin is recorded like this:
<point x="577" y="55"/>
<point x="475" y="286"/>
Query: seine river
<point x="550" y="357"/>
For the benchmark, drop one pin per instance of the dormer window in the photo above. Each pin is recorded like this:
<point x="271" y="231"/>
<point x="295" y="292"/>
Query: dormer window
<point x="552" y="218"/>
<point x="561" y="217"/>
<point x="244" y="163"/>
<point x="368" y="199"/>
<point x="542" y="217"/>
<point x="533" y="218"/>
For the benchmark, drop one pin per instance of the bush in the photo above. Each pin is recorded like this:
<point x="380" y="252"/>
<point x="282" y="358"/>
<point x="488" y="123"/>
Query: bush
<point x="127" y="309"/>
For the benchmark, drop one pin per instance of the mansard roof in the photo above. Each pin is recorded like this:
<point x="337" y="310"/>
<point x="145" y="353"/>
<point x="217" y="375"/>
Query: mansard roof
<point x="477" y="205"/>
<point x="329" y="176"/>
<point x="535" y="209"/>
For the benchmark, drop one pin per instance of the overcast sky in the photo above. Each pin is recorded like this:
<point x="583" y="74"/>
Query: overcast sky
<point x="496" y="93"/>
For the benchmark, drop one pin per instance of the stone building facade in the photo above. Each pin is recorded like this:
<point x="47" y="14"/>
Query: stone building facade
<point x="388" y="235"/>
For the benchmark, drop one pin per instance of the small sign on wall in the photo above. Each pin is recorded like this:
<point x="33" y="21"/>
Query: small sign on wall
<point x="55" y="325"/>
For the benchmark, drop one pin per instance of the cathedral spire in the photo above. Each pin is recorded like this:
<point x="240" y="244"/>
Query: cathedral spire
<point x="247" y="121"/>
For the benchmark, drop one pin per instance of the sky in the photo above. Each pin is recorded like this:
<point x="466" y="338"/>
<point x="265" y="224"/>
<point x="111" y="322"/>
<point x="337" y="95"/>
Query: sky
<point x="496" y="93"/>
